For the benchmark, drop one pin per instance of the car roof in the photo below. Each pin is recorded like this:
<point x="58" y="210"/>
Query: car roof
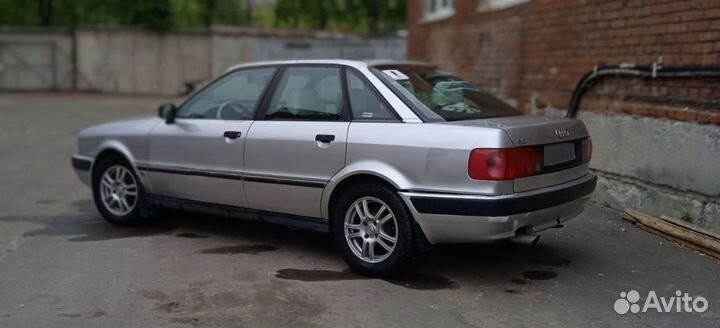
<point x="345" y="62"/>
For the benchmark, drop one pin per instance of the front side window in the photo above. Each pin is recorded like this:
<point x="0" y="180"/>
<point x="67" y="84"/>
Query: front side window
<point x="441" y="96"/>
<point x="233" y="97"/>
<point x="307" y="93"/>
<point x="364" y="103"/>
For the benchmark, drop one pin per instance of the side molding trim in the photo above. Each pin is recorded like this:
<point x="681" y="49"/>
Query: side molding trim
<point x="233" y="176"/>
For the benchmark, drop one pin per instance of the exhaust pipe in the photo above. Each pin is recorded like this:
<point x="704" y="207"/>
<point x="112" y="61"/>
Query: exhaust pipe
<point x="526" y="239"/>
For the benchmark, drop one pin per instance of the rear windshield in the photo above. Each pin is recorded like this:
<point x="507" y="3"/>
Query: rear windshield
<point x="438" y="96"/>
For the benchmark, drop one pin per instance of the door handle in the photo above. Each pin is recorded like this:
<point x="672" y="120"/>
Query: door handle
<point x="326" y="138"/>
<point x="232" y="134"/>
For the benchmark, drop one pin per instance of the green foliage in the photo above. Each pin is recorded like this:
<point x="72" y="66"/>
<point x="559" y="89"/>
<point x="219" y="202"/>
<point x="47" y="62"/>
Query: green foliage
<point x="151" y="14"/>
<point x="345" y="15"/>
<point x="371" y="16"/>
<point x="19" y="12"/>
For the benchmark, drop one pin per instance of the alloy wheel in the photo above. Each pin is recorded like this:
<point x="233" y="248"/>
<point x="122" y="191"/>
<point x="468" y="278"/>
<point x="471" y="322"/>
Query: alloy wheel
<point x="371" y="229"/>
<point x="118" y="190"/>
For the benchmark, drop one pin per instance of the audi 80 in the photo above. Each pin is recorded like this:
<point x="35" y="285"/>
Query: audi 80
<point x="388" y="157"/>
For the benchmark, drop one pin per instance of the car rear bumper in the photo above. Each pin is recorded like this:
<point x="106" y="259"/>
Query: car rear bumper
<point x="453" y="218"/>
<point x="82" y="166"/>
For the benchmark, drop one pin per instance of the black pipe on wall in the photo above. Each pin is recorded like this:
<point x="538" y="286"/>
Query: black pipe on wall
<point x="649" y="71"/>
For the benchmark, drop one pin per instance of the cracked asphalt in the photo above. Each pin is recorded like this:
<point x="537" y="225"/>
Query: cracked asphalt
<point x="61" y="265"/>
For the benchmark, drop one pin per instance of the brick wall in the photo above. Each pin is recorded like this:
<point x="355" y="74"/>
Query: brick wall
<point x="537" y="51"/>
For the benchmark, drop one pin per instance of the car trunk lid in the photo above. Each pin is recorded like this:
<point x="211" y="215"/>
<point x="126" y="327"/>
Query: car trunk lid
<point x="558" y="141"/>
<point x="528" y="130"/>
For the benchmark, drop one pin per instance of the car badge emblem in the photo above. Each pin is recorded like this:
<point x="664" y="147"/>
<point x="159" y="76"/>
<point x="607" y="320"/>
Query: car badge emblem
<point x="562" y="133"/>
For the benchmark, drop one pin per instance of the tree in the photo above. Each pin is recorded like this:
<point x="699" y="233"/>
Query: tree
<point x="208" y="13"/>
<point x="46" y="12"/>
<point x="372" y="16"/>
<point x="248" y="12"/>
<point x="152" y="14"/>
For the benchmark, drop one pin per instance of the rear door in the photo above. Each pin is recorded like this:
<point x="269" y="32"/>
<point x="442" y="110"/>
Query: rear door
<point x="298" y="143"/>
<point x="200" y="156"/>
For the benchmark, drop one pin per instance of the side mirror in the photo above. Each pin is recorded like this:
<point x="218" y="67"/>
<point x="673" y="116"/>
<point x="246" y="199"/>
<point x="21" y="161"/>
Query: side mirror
<point x="167" y="111"/>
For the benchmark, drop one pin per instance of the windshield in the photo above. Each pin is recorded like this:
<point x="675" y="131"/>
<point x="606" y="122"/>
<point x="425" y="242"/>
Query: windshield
<point x="441" y="96"/>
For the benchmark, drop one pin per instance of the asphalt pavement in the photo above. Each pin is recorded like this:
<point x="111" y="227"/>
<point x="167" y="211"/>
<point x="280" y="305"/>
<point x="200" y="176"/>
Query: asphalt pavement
<point x="61" y="265"/>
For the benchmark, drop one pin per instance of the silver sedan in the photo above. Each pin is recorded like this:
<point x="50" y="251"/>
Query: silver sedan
<point x="388" y="157"/>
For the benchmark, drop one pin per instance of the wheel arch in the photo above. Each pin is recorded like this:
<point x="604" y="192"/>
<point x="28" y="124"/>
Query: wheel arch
<point x="360" y="172"/>
<point x="340" y="183"/>
<point x="115" y="148"/>
<point x="105" y="153"/>
<point x="353" y="180"/>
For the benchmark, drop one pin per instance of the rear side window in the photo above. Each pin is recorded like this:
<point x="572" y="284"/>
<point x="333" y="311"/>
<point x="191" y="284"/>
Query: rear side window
<point x="307" y="93"/>
<point x="436" y="95"/>
<point x="364" y="102"/>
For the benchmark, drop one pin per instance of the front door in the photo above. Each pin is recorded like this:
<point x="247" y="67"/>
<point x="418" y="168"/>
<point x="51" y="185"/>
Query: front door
<point x="200" y="156"/>
<point x="299" y="144"/>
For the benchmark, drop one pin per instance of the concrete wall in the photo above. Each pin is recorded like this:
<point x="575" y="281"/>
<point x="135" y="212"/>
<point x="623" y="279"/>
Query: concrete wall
<point x="229" y="50"/>
<point x="30" y="60"/>
<point x="659" y="166"/>
<point x="141" y="62"/>
<point x="684" y="156"/>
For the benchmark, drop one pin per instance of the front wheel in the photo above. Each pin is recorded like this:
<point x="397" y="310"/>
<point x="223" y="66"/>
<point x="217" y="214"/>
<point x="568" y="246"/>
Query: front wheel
<point x="117" y="192"/>
<point x="373" y="230"/>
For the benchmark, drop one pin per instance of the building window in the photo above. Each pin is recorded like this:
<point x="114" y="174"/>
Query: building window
<point x="489" y="5"/>
<point x="438" y="9"/>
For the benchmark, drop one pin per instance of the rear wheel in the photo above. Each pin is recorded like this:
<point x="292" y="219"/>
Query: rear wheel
<point x="373" y="230"/>
<point x="117" y="191"/>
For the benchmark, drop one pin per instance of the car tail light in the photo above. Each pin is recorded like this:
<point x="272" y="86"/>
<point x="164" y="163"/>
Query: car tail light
<point x="502" y="164"/>
<point x="586" y="150"/>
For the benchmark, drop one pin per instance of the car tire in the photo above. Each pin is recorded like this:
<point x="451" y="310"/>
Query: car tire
<point x="355" y="236"/>
<point x="118" y="193"/>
